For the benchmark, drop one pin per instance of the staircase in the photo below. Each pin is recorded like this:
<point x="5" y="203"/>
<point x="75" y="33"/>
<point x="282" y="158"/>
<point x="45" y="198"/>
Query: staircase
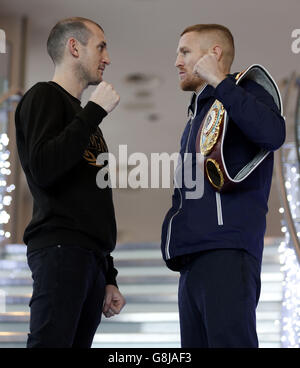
<point x="150" y="317"/>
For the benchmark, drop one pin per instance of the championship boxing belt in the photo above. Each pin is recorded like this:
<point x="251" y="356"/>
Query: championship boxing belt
<point x="212" y="131"/>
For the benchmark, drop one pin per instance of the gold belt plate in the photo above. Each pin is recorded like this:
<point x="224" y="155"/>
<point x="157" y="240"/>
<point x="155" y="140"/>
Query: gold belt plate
<point x="211" y="127"/>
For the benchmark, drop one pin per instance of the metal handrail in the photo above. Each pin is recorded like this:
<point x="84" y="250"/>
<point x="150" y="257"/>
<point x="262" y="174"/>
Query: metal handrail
<point x="297" y="116"/>
<point x="281" y="180"/>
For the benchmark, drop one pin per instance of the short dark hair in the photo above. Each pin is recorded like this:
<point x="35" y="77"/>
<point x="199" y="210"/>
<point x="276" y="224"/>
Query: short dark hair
<point x="218" y="28"/>
<point x="63" y="30"/>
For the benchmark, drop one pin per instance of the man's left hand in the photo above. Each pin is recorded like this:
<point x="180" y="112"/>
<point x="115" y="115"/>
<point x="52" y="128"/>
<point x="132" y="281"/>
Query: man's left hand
<point x="113" y="301"/>
<point x="208" y="69"/>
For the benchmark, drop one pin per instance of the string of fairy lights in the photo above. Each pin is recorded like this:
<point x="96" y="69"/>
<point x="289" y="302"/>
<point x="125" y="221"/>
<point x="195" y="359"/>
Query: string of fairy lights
<point x="290" y="315"/>
<point x="5" y="188"/>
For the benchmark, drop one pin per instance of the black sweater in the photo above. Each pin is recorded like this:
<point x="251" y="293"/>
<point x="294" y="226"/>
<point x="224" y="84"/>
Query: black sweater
<point x="58" y="143"/>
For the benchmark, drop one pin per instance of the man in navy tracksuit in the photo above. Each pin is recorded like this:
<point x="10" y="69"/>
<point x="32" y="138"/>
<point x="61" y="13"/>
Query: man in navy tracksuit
<point x="216" y="240"/>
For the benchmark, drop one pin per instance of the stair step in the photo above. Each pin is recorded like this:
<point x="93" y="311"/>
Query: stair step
<point x="133" y="339"/>
<point x="150" y="310"/>
<point x="134" y="272"/>
<point x="7" y="264"/>
<point x="268" y="280"/>
<point x="22" y="248"/>
<point x="129" y="252"/>
<point x="143" y="304"/>
<point x="9" y="337"/>
<point x="151" y="293"/>
<point x="10" y="264"/>
<point x="141" y="297"/>
<point x="126" y="317"/>
<point x="264" y="328"/>
<point x="122" y="280"/>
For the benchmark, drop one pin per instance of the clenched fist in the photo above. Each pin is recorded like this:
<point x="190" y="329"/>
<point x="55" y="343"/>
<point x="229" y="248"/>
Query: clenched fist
<point x="207" y="68"/>
<point x="105" y="96"/>
<point x="113" y="301"/>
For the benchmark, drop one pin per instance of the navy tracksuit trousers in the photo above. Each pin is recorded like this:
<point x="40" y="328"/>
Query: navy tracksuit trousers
<point x="218" y="294"/>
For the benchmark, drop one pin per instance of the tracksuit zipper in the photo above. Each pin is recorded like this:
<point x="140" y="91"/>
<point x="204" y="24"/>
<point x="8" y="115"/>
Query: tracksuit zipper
<point x="167" y="253"/>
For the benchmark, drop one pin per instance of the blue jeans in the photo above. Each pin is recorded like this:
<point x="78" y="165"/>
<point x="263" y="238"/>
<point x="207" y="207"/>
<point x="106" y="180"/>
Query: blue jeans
<point x="218" y="294"/>
<point x="67" y="298"/>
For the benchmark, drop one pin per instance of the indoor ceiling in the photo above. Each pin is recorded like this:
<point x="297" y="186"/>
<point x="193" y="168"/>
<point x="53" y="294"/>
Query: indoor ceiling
<point x="142" y="38"/>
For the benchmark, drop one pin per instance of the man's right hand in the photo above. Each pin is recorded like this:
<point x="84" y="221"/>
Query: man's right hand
<point x="105" y="96"/>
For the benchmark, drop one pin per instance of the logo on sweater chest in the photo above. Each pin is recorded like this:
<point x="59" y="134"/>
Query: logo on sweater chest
<point x="96" y="146"/>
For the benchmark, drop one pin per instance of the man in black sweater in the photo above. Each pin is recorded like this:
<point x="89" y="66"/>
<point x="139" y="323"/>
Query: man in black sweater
<point x="73" y="228"/>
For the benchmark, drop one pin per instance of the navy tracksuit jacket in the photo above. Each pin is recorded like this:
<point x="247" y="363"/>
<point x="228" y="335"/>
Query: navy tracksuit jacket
<point x="236" y="219"/>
